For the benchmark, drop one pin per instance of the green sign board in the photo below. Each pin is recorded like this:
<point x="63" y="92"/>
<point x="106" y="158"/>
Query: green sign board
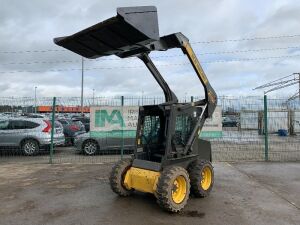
<point x="117" y="121"/>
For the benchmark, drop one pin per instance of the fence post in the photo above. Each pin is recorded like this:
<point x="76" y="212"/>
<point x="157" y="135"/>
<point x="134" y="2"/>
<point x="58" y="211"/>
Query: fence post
<point x="291" y="121"/>
<point x="122" y="145"/>
<point x="266" y="128"/>
<point x="52" y="129"/>
<point x="260" y="123"/>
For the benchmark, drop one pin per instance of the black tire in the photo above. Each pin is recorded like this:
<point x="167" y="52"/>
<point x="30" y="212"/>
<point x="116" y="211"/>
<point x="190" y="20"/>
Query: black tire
<point x="90" y="147"/>
<point x="117" y="176"/>
<point x="68" y="141"/>
<point x="165" y="189"/>
<point x="198" y="174"/>
<point x="72" y="141"/>
<point x="30" y="147"/>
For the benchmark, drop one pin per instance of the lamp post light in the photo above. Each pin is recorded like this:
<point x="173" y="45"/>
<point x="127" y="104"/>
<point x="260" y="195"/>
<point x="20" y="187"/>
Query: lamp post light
<point x="35" y="99"/>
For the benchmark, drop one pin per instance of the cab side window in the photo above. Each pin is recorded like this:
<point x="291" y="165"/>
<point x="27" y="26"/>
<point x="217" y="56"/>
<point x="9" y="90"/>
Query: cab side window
<point x="16" y="124"/>
<point x="30" y="125"/>
<point x="4" y="124"/>
<point x="21" y="124"/>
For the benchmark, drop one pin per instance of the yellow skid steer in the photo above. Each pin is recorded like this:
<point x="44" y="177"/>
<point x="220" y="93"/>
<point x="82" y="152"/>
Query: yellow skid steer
<point x="169" y="160"/>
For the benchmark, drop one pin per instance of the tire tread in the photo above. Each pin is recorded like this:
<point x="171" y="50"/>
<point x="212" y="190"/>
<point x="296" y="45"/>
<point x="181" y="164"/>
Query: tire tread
<point x="163" y="186"/>
<point x="195" y="171"/>
<point x="116" y="177"/>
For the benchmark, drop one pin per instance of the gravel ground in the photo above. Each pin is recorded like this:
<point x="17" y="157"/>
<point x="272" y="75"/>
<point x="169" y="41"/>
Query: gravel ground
<point x="71" y="194"/>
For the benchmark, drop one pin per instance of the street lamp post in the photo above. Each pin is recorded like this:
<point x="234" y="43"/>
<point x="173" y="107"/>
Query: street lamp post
<point x="299" y="84"/>
<point x="93" y="96"/>
<point x="82" y="73"/>
<point x="35" y="99"/>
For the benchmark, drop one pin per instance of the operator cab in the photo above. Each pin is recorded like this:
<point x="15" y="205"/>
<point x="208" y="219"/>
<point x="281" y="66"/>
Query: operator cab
<point x="153" y="130"/>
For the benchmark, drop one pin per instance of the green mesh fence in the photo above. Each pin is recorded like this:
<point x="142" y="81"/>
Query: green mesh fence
<point x="242" y="137"/>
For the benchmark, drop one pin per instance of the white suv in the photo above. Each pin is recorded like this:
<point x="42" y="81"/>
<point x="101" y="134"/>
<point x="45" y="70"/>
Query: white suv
<point x="29" y="134"/>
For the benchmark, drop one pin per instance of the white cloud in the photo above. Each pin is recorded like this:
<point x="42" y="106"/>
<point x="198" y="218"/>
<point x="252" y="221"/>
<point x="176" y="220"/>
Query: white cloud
<point x="31" y="25"/>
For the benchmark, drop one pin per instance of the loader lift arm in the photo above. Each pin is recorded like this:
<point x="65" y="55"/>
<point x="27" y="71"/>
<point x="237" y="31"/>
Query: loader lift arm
<point x="178" y="40"/>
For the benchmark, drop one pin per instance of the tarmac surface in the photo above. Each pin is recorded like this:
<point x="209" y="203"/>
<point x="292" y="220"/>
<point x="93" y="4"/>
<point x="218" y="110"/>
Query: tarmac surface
<point x="71" y="194"/>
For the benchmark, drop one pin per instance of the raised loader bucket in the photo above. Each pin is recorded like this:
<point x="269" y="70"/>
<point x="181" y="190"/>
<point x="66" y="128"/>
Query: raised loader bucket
<point x="124" y="35"/>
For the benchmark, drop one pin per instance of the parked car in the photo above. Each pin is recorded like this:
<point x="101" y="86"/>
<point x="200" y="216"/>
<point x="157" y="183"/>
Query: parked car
<point x="29" y="134"/>
<point x="71" y="129"/>
<point x="84" y="120"/>
<point x="90" y="144"/>
<point x="230" y="122"/>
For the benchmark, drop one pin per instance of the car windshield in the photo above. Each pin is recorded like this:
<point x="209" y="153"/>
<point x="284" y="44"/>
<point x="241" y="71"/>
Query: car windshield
<point x="63" y="121"/>
<point x="57" y="124"/>
<point x="82" y="119"/>
<point x="78" y="123"/>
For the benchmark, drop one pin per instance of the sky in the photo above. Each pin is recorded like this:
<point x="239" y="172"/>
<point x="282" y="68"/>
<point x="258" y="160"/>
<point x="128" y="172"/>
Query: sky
<point x="240" y="44"/>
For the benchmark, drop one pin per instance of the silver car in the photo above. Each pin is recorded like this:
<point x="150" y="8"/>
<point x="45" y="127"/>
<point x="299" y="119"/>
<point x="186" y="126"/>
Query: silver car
<point x="90" y="144"/>
<point x="29" y="134"/>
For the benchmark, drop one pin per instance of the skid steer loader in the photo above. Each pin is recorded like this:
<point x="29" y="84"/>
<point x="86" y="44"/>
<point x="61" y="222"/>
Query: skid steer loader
<point x="170" y="159"/>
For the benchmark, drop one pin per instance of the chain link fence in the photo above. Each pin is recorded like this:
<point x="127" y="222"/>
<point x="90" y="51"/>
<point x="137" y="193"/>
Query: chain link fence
<point x="247" y="140"/>
<point x="252" y="130"/>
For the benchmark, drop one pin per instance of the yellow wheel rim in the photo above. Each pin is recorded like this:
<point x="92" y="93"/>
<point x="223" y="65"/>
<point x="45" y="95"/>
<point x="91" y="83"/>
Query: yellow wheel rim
<point x="206" y="178"/>
<point x="179" y="189"/>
